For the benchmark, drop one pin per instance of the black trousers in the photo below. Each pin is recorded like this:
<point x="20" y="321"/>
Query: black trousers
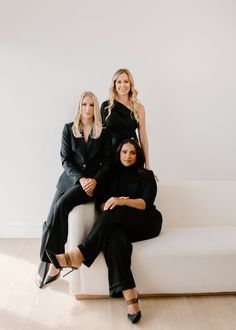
<point x="55" y="229"/>
<point x="113" y="233"/>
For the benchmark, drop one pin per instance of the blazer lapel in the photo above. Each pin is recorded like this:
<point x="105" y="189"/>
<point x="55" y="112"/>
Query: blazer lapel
<point x="82" y="146"/>
<point x="89" y="143"/>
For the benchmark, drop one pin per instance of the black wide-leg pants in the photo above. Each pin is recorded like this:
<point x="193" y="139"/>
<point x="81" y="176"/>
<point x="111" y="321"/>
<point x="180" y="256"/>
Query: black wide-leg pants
<point x="55" y="229"/>
<point x="113" y="233"/>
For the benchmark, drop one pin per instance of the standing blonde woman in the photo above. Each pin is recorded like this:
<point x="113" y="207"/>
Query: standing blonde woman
<point x="123" y="114"/>
<point x="85" y="154"/>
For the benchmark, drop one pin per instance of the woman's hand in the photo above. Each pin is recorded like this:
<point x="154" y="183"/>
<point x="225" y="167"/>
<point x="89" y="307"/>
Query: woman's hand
<point x="115" y="201"/>
<point x="88" y="185"/>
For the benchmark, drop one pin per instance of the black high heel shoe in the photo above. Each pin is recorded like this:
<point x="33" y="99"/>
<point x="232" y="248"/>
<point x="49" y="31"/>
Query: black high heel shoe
<point x="42" y="272"/>
<point x="49" y="279"/>
<point x="134" y="318"/>
<point x="54" y="261"/>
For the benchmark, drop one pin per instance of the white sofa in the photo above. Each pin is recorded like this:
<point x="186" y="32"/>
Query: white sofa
<point x="195" y="252"/>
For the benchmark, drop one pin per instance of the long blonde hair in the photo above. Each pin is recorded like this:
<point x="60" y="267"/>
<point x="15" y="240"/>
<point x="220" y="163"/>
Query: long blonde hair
<point x="133" y="93"/>
<point x="77" y="127"/>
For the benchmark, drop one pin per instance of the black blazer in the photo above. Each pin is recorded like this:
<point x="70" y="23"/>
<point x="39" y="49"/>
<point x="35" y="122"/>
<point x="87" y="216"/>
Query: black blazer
<point x="81" y="159"/>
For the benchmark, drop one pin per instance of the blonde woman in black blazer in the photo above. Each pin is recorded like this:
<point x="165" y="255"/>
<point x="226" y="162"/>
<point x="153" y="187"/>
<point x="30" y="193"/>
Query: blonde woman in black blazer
<point x="86" y="158"/>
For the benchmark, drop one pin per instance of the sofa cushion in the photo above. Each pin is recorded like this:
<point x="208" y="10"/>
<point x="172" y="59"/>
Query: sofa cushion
<point x="187" y="260"/>
<point x="180" y="260"/>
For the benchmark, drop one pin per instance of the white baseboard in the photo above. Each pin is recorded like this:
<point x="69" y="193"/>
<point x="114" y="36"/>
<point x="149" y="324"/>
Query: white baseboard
<point x="20" y="231"/>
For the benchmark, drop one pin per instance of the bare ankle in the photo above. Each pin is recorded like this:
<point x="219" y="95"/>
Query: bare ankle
<point x="130" y="293"/>
<point x="131" y="297"/>
<point x="76" y="257"/>
<point x="52" y="271"/>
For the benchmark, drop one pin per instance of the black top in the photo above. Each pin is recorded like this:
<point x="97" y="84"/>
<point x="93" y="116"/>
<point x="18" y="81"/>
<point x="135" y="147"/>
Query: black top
<point x="91" y="159"/>
<point x="130" y="182"/>
<point x="121" y="123"/>
<point x="125" y="177"/>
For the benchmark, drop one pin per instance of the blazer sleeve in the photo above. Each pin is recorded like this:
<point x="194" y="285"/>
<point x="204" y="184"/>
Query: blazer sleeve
<point x="106" y="157"/>
<point x="150" y="189"/>
<point x="68" y="163"/>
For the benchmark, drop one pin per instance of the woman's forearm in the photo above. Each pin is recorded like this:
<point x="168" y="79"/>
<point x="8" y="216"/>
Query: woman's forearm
<point x="143" y="135"/>
<point x="112" y="202"/>
<point x="137" y="203"/>
<point x="144" y="144"/>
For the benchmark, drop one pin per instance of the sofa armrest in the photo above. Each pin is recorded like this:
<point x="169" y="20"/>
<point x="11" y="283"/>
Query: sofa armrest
<point x="80" y="221"/>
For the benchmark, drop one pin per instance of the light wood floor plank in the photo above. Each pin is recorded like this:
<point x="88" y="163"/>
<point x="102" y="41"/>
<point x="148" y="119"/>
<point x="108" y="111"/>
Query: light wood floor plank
<point x="25" y="307"/>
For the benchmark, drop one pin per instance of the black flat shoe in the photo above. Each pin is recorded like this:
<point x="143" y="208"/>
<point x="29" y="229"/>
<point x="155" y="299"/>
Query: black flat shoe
<point x="134" y="318"/>
<point x="54" y="261"/>
<point x="42" y="272"/>
<point x="50" y="279"/>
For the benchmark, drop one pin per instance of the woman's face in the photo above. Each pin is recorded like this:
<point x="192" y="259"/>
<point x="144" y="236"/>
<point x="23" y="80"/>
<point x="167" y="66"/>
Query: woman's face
<point x="122" y="84"/>
<point x="128" y="155"/>
<point x="87" y="109"/>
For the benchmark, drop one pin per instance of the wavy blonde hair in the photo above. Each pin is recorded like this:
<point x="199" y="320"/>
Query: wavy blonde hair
<point x="78" y="127"/>
<point x="113" y="95"/>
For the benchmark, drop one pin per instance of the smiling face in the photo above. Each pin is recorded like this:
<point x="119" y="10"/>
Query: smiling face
<point x="87" y="108"/>
<point x="128" y="155"/>
<point x="122" y="85"/>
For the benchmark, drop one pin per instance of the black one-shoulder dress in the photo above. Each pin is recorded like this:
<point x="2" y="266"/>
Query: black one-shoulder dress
<point x="121" y="123"/>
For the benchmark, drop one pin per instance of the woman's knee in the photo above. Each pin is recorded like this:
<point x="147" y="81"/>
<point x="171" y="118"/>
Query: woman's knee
<point x="63" y="204"/>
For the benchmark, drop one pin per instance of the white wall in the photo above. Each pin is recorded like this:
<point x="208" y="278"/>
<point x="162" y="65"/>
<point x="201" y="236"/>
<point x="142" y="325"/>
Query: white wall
<point x="182" y="55"/>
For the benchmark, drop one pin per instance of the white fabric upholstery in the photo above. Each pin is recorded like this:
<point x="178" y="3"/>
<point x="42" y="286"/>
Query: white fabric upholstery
<point x="81" y="220"/>
<point x="195" y="253"/>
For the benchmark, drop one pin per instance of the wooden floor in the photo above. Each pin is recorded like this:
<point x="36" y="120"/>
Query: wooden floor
<point x="25" y="307"/>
